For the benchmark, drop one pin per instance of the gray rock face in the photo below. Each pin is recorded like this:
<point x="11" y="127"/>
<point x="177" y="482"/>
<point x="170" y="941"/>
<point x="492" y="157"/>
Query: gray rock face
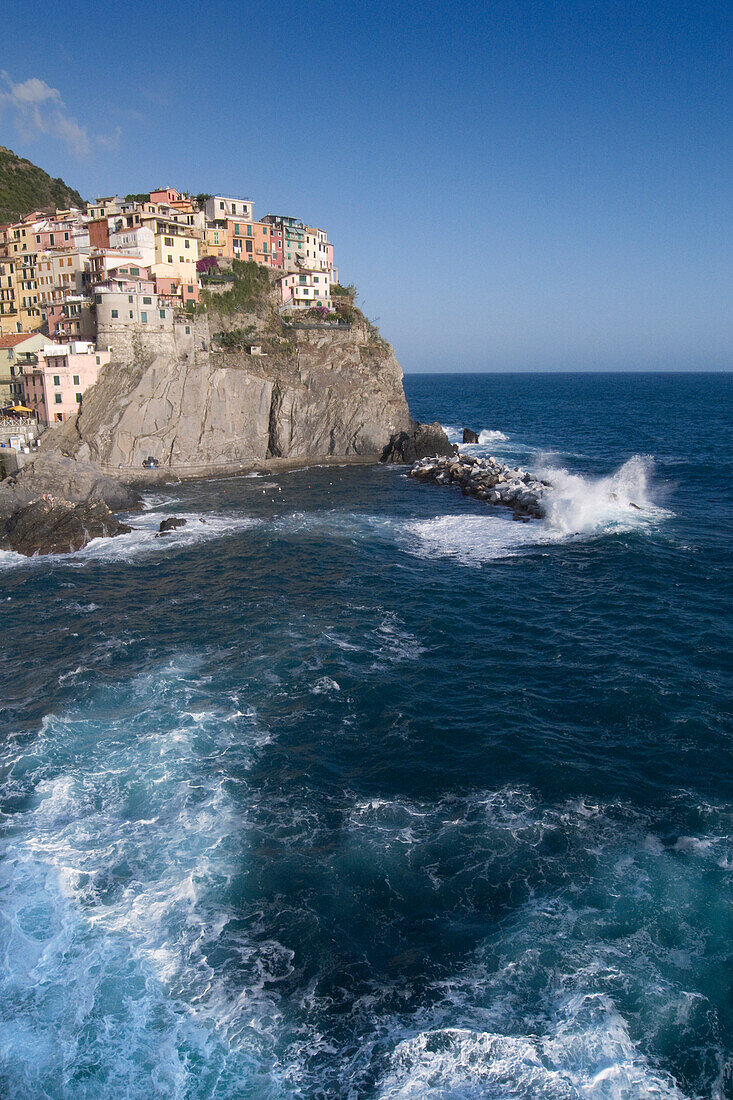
<point x="329" y="392"/>
<point x="57" y="526"/>
<point x="421" y="441"/>
<point x="66" y="478"/>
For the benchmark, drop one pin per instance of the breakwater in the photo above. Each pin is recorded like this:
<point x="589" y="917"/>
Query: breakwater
<point x="487" y="479"/>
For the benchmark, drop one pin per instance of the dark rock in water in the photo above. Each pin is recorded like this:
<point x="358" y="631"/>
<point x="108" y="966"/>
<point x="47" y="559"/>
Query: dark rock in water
<point x="469" y="436"/>
<point x="51" y="526"/>
<point x="423" y="441"/>
<point x="170" y="524"/>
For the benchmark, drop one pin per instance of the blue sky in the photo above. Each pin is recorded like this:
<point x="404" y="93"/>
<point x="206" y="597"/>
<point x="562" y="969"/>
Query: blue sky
<point x="511" y="186"/>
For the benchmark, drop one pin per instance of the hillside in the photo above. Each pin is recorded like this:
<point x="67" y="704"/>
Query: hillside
<point x="25" y="187"/>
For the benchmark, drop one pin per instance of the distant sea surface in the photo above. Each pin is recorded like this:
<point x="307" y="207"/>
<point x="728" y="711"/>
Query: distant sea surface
<point x="356" y="788"/>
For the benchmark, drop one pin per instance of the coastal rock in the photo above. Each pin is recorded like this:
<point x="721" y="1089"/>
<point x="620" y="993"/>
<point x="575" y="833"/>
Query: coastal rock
<point x="72" y="479"/>
<point x="197" y="408"/>
<point x="469" y="436"/>
<point x="170" y="524"/>
<point x="421" y="441"/>
<point x="487" y="479"/>
<point x="52" y="526"/>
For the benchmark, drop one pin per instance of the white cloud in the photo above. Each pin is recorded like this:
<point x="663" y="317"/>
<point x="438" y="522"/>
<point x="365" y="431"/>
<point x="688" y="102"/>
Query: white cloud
<point x="110" y="141"/>
<point x="39" y="109"/>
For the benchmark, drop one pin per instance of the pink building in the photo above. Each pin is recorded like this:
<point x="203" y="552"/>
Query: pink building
<point x="53" y="387"/>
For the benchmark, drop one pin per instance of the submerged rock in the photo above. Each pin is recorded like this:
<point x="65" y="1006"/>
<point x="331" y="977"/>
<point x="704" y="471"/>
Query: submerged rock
<point x="170" y="524"/>
<point x="421" y="441"/>
<point x="469" y="436"/>
<point x="52" y="526"/>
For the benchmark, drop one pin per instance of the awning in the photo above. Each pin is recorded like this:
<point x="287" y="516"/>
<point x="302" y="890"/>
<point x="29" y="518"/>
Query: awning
<point x="17" y="409"/>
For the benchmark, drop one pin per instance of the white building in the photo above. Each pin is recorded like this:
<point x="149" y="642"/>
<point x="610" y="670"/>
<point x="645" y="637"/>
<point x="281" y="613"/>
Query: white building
<point x="305" y="289"/>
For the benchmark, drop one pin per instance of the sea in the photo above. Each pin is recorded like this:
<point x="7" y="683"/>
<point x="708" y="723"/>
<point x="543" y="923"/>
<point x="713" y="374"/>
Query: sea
<point x="354" y="787"/>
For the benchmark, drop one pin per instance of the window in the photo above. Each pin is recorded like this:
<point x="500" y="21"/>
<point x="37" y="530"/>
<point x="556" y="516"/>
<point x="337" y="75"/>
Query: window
<point x="129" y="297"/>
<point x="78" y="398"/>
<point x="187" y="243"/>
<point x="115" y="313"/>
<point x="76" y="380"/>
<point x="162" y="315"/>
<point x="248" y="245"/>
<point x="170" y="259"/>
<point x="134" y="270"/>
<point x="147" y="301"/>
<point x="188" y="330"/>
<point x="99" y="360"/>
<point x="57" y="379"/>
<point x="221" y="205"/>
<point x="57" y="398"/>
<point x="144" y="318"/>
<point x="168" y="241"/>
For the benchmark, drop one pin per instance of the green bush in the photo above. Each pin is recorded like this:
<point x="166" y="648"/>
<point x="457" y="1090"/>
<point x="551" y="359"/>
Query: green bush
<point x="343" y="291"/>
<point x="251" y="284"/>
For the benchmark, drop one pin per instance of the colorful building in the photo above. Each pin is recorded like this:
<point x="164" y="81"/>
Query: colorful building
<point x="53" y="387"/>
<point x="18" y="352"/>
<point x="20" y="304"/>
<point x="305" y="289"/>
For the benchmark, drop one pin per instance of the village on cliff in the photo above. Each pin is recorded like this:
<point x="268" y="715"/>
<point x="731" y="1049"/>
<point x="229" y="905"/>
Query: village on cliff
<point x="74" y="282"/>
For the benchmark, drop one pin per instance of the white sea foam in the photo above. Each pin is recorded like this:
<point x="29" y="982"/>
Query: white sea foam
<point x="577" y="507"/>
<point x="485" y="436"/>
<point x="114" y="894"/>
<point x="621" y="501"/>
<point x="142" y="539"/>
<point x="599" y="1062"/>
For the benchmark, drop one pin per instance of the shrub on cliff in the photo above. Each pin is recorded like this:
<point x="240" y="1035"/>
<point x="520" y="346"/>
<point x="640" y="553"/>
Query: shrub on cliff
<point x="250" y="287"/>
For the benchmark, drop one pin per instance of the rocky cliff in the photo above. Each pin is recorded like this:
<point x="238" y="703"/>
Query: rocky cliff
<point x="192" y="404"/>
<point x="234" y="387"/>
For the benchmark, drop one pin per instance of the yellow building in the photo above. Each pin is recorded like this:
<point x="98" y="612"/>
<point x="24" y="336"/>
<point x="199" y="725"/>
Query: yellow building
<point x="176" y="249"/>
<point x="20" y="302"/>
<point x="215" y="242"/>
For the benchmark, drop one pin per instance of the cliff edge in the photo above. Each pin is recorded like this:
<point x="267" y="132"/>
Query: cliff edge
<point x="199" y="395"/>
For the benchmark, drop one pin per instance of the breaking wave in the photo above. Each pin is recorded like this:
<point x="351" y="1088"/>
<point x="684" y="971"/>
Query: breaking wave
<point x="576" y="507"/>
<point x="621" y="501"/>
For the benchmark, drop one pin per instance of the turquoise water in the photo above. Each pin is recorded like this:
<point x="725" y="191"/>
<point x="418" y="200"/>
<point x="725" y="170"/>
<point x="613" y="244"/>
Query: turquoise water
<point x="354" y="787"/>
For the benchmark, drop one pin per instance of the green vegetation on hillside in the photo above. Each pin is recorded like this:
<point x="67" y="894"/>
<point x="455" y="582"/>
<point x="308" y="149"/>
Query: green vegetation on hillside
<point x="25" y="187"/>
<point x="249" y="290"/>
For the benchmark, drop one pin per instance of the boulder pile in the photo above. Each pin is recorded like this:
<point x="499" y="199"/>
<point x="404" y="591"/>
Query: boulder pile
<point x="487" y="479"/>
